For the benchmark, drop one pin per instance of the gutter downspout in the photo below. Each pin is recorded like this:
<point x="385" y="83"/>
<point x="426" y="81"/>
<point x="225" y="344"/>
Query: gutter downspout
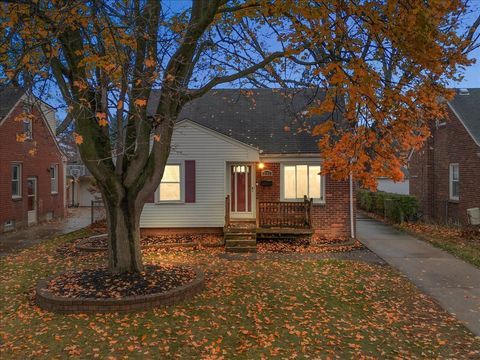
<point x="352" y="228"/>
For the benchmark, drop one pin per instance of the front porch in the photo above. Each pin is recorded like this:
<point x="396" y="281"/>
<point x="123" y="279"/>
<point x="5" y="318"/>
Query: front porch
<point x="273" y="219"/>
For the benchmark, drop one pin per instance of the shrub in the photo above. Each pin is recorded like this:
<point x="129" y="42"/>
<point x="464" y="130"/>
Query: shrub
<point x="394" y="207"/>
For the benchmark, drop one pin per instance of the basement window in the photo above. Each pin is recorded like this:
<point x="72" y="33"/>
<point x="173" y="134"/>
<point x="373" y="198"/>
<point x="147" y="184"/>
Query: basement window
<point x="9" y="225"/>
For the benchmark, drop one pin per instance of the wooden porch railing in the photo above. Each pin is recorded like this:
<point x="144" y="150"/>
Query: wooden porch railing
<point x="285" y="214"/>
<point x="227" y="211"/>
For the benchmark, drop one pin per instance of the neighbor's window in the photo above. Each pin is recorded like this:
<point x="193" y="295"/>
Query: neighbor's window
<point x="170" y="187"/>
<point x="16" y="180"/>
<point x="27" y="128"/>
<point x="300" y="180"/>
<point x="454" y="182"/>
<point x="54" y="178"/>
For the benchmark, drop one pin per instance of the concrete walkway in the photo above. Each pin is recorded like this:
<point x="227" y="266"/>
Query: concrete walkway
<point x="76" y="219"/>
<point x="453" y="283"/>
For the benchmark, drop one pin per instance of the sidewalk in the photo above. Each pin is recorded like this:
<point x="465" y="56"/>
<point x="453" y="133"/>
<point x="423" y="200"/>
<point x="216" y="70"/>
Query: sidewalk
<point x="453" y="283"/>
<point x="77" y="219"/>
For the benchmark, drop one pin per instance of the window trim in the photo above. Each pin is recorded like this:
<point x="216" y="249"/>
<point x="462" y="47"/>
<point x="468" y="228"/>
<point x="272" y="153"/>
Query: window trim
<point x="450" y="182"/>
<point x="181" y="164"/>
<point x="55" y="167"/>
<point x="282" y="183"/>
<point x="20" y="187"/>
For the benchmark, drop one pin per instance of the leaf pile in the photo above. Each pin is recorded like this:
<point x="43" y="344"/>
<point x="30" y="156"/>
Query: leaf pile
<point x="249" y="310"/>
<point x="460" y="234"/>
<point x="280" y="247"/>
<point x="320" y="239"/>
<point x="182" y="239"/>
<point x="95" y="242"/>
<point x="305" y="245"/>
<point x="68" y="250"/>
<point x="99" y="226"/>
<point x="100" y="284"/>
<point x="433" y="229"/>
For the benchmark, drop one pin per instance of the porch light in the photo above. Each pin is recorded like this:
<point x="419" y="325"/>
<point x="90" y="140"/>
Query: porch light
<point x="261" y="166"/>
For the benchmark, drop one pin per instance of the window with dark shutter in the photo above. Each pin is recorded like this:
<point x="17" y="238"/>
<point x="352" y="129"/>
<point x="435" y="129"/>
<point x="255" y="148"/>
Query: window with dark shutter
<point x="190" y="181"/>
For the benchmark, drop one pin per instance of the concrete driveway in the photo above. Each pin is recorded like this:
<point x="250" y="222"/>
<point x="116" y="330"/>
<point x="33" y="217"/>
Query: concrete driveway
<point x="76" y="219"/>
<point x="453" y="283"/>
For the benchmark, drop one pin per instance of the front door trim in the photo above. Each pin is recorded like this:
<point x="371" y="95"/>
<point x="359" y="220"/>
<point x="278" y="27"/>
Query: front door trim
<point x="232" y="182"/>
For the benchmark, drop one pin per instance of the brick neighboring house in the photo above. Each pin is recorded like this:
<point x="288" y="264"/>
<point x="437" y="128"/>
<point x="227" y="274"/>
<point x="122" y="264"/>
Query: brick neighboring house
<point x="445" y="173"/>
<point x="239" y="159"/>
<point x="31" y="186"/>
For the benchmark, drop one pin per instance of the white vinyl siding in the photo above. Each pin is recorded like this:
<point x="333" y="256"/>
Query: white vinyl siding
<point x="86" y="192"/>
<point x="454" y="182"/>
<point x="211" y="152"/>
<point x="299" y="180"/>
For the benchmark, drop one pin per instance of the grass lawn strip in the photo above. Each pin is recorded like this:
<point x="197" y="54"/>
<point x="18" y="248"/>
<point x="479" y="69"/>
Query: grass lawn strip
<point x="446" y="238"/>
<point x="441" y="236"/>
<point x="261" y="309"/>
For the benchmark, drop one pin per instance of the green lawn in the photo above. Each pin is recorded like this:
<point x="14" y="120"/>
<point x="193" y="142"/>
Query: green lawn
<point x="446" y="238"/>
<point x="250" y="310"/>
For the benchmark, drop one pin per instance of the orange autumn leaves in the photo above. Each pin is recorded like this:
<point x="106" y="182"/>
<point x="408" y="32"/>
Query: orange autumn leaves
<point x="102" y="119"/>
<point x="385" y="63"/>
<point x="384" y="67"/>
<point x="78" y="138"/>
<point x="376" y="136"/>
<point x="335" y="308"/>
<point x="23" y="136"/>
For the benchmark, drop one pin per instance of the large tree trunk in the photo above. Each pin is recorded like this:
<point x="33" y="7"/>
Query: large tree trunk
<point x="123" y="220"/>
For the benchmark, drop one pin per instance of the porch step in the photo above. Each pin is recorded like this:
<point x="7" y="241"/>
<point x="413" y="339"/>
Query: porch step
<point x="240" y="240"/>
<point x="241" y="230"/>
<point x="240" y="236"/>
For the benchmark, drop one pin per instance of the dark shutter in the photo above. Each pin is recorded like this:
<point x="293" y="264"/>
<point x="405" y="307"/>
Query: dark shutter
<point x="189" y="181"/>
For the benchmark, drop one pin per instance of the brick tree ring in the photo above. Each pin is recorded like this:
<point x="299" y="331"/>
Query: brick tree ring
<point x="98" y="243"/>
<point x="48" y="300"/>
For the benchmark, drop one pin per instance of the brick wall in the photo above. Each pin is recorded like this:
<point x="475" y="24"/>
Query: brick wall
<point x="269" y="193"/>
<point x="429" y="173"/>
<point x="32" y="166"/>
<point x="332" y="219"/>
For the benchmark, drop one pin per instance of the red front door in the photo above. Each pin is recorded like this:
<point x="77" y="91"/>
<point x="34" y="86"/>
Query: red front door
<point x="241" y="190"/>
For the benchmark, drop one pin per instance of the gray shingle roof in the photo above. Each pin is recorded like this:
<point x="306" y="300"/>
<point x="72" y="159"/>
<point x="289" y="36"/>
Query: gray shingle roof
<point x="8" y="98"/>
<point x="269" y="119"/>
<point x="467" y="107"/>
